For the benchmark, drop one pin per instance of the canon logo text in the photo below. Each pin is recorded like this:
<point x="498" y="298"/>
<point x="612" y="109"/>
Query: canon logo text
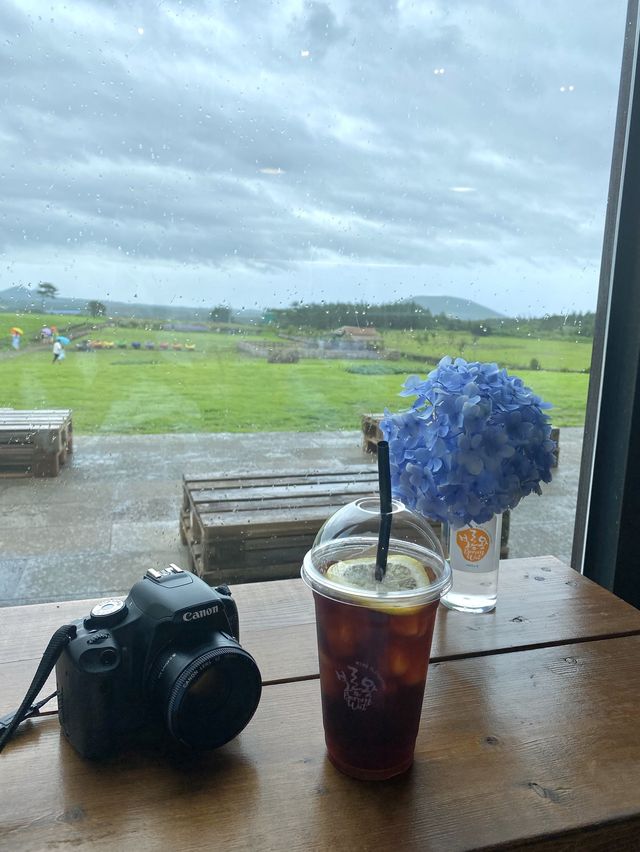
<point x="200" y="613"/>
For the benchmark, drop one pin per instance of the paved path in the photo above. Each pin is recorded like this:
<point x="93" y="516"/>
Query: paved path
<point x="113" y="511"/>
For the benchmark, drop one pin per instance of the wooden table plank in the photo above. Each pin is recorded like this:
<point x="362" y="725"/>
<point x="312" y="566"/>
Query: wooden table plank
<point x="29" y="426"/>
<point x="39" y="410"/>
<point x="281" y="501"/>
<point x="537" y="749"/>
<point x="280" y="492"/>
<point x="37" y="418"/>
<point x="540" y="602"/>
<point x="252" y="477"/>
<point x="34" y="419"/>
<point x="269" y="521"/>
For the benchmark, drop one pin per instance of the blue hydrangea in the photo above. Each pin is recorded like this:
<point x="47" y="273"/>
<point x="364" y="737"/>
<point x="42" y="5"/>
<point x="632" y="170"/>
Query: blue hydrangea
<point x="475" y="442"/>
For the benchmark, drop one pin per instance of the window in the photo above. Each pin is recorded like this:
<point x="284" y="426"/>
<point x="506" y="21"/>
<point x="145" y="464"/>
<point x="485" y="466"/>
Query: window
<point x="253" y="222"/>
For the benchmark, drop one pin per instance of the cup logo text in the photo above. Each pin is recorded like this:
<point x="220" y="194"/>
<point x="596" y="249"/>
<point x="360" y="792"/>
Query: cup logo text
<point x="473" y="543"/>
<point x="360" y="685"/>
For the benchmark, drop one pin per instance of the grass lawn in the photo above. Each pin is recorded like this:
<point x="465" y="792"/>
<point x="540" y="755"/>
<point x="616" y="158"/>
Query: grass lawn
<point x="215" y="389"/>
<point x="512" y="352"/>
<point x="32" y="323"/>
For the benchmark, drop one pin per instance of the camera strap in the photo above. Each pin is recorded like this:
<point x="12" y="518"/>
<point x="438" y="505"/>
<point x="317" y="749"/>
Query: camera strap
<point x="28" y="708"/>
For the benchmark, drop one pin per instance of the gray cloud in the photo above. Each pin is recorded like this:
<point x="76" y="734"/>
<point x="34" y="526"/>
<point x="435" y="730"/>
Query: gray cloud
<point x="254" y="140"/>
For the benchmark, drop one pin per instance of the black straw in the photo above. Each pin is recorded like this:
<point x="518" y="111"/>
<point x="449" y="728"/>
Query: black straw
<point x="384" y="481"/>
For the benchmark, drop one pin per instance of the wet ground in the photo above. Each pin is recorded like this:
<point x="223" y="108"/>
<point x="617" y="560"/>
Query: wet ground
<point x="113" y="511"/>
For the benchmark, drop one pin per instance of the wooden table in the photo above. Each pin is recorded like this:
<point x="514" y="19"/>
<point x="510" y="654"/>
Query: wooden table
<point x="530" y="739"/>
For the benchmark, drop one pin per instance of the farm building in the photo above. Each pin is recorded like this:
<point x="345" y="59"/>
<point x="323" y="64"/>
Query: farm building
<point x="353" y="337"/>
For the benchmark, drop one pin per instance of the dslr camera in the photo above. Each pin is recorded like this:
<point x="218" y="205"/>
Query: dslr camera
<point x="165" y="660"/>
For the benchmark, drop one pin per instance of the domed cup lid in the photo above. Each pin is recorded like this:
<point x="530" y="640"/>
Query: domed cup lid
<point x="341" y="562"/>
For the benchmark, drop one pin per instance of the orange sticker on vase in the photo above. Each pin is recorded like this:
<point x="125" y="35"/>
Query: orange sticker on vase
<point x="474" y="543"/>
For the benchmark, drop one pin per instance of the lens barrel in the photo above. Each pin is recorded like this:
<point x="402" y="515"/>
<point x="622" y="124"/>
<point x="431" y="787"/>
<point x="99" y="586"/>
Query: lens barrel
<point x="207" y="695"/>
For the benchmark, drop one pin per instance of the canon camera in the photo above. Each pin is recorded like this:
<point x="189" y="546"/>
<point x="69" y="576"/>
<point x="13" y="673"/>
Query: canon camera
<point x="165" y="660"/>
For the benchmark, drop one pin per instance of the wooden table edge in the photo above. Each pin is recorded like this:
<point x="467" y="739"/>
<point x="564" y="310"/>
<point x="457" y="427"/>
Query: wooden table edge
<point x="620" y="834"/>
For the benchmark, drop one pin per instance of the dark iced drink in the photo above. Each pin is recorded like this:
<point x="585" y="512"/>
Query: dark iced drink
<point x="374" y="641"/>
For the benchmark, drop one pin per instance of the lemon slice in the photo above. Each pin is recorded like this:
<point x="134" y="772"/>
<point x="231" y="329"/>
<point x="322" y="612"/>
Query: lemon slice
<point x="403" y="574"/>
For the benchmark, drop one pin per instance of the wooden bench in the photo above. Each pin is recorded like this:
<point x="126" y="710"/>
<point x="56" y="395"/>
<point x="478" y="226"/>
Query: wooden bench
<point x="249" y="527"/>
<point x="34" y="442"/>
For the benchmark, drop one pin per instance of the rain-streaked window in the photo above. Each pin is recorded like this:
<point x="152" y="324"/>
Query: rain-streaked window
<point x="246" y="224"/>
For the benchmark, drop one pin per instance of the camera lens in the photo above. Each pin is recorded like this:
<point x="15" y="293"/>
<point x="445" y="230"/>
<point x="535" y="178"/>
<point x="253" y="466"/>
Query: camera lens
<point x="208" y="696"/>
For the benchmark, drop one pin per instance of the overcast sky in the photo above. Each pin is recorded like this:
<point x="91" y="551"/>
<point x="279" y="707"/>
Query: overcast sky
<point x="258" y="153"/>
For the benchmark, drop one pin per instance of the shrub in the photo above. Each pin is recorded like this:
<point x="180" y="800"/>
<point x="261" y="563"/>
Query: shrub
<point x="283" y="356"/>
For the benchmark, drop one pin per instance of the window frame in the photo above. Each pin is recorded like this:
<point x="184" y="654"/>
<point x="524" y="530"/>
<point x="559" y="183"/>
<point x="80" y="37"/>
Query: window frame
<point x="608" y="502"/>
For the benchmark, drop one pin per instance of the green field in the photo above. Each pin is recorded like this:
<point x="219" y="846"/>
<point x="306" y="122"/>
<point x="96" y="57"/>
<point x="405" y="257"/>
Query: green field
<point x="32" y="323"/>
<point x="511" y="352"/>
<point x="217" y="389"/>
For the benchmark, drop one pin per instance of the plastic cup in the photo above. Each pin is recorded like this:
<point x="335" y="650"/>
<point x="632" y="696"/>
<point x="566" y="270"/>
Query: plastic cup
<point x="373" y="650"/>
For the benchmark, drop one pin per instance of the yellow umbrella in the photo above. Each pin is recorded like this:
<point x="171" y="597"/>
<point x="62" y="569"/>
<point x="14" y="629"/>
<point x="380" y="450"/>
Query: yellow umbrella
<point x="15" y="330"/>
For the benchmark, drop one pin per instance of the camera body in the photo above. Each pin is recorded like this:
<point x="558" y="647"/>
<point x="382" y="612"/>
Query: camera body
<point x="166" y="657"/>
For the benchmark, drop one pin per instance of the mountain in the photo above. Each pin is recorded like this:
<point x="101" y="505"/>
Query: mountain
<point x="451" y="306"/>
<point x="21" y="298"/>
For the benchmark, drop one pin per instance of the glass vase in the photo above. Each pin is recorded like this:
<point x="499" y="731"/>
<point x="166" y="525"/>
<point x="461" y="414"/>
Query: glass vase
<point x="474" y="556"/>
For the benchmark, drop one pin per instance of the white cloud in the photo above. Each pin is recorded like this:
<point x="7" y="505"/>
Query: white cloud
<point x="203" y="148"/>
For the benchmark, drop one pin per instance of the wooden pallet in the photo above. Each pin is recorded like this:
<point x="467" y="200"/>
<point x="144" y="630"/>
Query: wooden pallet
<point x="371" y="433"/>
<point x="244" y="527"/>
<point x="34" y="442"/>
<point x="254" y="527"/>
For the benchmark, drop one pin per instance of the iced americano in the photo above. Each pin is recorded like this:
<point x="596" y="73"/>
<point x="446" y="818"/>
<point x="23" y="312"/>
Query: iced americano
<point x="374" y="637"/>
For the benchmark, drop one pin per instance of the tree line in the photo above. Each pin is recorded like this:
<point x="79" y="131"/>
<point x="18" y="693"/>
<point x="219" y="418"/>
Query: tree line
<point x="399" y="316"/>
<point x="403" y="316"/>
<point x="331" y="315"/>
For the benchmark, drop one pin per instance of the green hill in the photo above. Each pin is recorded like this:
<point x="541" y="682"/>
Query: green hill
<point x="452" y="306"/>
<point x="24" y="299"/>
